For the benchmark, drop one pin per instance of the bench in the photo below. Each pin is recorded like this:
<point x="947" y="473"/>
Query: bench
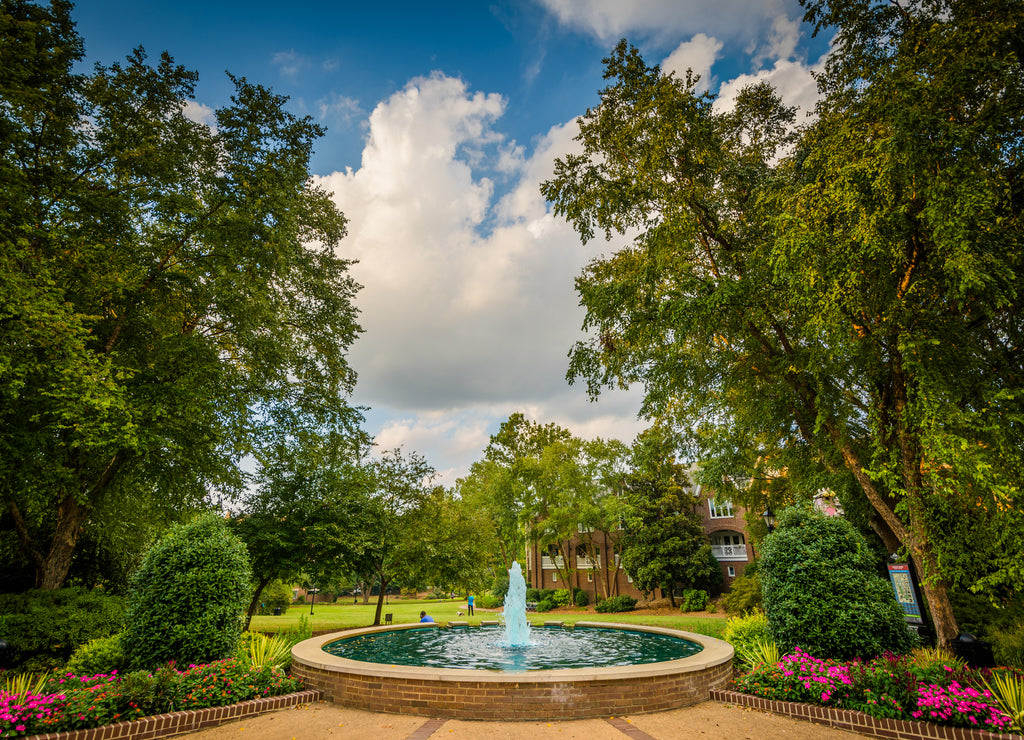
<point x="388" y="618"/>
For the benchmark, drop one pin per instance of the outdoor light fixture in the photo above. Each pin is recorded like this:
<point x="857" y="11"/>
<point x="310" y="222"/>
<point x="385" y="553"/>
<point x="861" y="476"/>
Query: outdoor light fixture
<point x="769" y="519"/>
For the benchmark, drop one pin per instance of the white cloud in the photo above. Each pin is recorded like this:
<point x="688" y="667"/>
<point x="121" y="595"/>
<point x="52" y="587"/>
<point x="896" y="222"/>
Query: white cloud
<point x="338" y="109"/>
<point x="468" y="304"/>
<point x="290" y="62"/>
<point x="609" y="20"/>
<point x="698" y="54"/>
<point x="200" y="113"/>
<point x="793" y="81"/>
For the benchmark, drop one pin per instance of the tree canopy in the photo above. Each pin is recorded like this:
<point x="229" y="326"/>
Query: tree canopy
<point x="833" y="302"/>
<point x="170" y="298"/>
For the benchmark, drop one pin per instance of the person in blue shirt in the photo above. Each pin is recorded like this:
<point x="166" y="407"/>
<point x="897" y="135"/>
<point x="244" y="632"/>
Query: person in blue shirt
<point x="424" y="617"/>
<point x="469" y="606"/>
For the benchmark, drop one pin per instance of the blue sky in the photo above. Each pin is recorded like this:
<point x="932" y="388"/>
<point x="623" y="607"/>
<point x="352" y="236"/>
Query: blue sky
<point x="443" y="118"/>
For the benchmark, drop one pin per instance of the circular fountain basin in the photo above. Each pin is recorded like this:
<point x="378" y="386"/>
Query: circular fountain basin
<point x="514" y="694"/>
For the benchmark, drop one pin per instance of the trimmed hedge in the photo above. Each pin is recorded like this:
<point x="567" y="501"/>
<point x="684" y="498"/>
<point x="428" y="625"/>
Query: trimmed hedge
<point x="621" y="603"/>
<point x="44" y="627"/>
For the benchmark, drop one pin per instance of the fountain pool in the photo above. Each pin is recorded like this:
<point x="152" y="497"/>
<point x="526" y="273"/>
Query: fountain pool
<point x="449" y="671"/>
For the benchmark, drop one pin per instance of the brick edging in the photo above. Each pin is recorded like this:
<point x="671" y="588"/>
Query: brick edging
<point x="178" y="723"/>
<point x="862" y="724"/>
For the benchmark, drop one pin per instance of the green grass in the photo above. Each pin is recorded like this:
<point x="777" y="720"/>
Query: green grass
<point x="346" y="615"/>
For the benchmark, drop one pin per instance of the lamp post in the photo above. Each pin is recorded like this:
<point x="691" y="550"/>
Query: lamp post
<point x="769" y="519"/>
<point x="312" y="599"/>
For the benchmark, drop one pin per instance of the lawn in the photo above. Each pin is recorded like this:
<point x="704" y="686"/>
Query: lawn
<point x="346" y="615"/>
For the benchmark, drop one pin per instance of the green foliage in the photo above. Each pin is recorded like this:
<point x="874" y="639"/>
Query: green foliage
<point x="822" y="592"/>
<point x="1009" y="691"/>
<point x="562" y="597"/>
<point x="761" y="652"/>
<point x="102" y="655"/>
<point x="275" y="596"/>
<point x="693" y="600"/>
<point x="172" y="298"/>
<point x="546" y="605"/>
<point x="188" y="596"/>
<point x="489" y="601"/>
<point x="745" y="592"/>
<point x="43" y="628"/>
<point x="533" y="594"/>
<point x="260" y="652"/>
<point x="1008" y="646"/>
<point x="664" y="543"/>
<point x="499" y="587"/>
<point x="746" y="632"/>
<point x="837" y="301"/>
<point x="582" y="598"/>
<point x="620" y="603"/>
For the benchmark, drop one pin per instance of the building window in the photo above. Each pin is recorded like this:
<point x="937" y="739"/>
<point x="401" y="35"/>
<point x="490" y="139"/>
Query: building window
<point x="590" y="576"/>
<point x="732" y="572"/>
<point x="728" y="546"/>
<point x="720" y="509"/>
<point x="554" y="577"/>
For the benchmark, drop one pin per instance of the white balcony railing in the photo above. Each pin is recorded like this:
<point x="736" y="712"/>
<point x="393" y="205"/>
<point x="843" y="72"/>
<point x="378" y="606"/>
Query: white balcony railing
<point x="549" y="563"/>
<point x="729" y="552"/>
<point x="587" y="563"/>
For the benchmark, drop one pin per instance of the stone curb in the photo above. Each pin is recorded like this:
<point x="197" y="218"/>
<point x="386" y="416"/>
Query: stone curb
<point x="862" y="724"/>
<point x="178" y="723"/>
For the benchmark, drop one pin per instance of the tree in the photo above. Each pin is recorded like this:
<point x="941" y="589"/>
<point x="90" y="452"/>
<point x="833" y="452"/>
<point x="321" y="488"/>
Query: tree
<point x="302" y="522"/>
<point x="664" y="544"/>
<point x="792" y="295"/>
<point x="170" y="299"/>
<point x="400" y="486"/>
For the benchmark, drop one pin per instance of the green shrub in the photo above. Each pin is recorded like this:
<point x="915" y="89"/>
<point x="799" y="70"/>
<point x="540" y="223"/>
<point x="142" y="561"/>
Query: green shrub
<point x="621" y="603"/>
<point x="188" y="596"/>
<point x="44" y="627"/>
<point x="489" y="601"/>
<point x="1008" y="646"/>
<point x="533" y="594"/>
<point x="747" y="632"/>
<point x="562" y="597"/>
<point x="545" y="594"/>
<point x="582" y="598"/>
<point x="545" y="605"/>
<point x="822" y="591"/>
<point x="744" y="594"/>
<point x="99" y="656"/>
<point x="275" y="596"/>
<point x="499" y="586"/>
<point x="694" y="600"/>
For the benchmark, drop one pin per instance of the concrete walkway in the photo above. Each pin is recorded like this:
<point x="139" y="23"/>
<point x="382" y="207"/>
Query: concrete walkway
<point x="707" y="721"/>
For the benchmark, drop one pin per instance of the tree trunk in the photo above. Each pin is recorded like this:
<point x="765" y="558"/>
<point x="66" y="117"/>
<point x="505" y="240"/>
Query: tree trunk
<point x="71" y="517"/>
<point x="255" y="601"/>
<point x="380" y="602"/>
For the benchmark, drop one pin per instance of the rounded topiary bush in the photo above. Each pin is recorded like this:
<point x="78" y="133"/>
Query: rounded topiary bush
<point x="822" y="591"/>
<point x="188" y="596"/>
<point x="582" y="598"/>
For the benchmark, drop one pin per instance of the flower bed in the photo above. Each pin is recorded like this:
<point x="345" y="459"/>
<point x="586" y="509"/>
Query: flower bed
<point x="71" y="702"/>
<point x="891" y="687"/>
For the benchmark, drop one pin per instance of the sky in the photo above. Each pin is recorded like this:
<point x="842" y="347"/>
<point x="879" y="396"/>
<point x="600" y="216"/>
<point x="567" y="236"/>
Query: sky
<point x="442" y="120"/>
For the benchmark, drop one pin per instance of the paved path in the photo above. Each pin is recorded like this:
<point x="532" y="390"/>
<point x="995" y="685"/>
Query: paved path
<point x="707" y="721"/>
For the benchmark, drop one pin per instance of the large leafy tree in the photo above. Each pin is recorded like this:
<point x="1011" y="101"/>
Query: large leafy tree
<point x="842" y="303"/>
<point x="169" y="295"/>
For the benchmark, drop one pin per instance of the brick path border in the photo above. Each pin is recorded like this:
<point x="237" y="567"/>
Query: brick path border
<point x="862" y="724"/>
<point x="178" y="723"/>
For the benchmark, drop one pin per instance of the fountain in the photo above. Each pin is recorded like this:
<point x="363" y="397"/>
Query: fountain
<point x="517" y="626"/>
<point x="592" y="670"/>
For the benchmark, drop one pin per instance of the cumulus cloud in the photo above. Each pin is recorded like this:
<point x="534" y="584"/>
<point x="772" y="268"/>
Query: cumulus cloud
<point x="290" y="62"/>
<point x="468" y="304"/>
<point x="698" y="54"/>
<point x="200" y="113"/>
<point x="609" y="20"/>
<point x="793" y="80"/>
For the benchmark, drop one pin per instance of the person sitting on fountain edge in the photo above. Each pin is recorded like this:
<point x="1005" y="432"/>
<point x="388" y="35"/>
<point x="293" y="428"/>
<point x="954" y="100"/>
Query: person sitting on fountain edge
<point x="424" y="617"/>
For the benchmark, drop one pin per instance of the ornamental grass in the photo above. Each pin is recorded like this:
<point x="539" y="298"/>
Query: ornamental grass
<point x="889" y="686"/>
<point x="69" y="702"/>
